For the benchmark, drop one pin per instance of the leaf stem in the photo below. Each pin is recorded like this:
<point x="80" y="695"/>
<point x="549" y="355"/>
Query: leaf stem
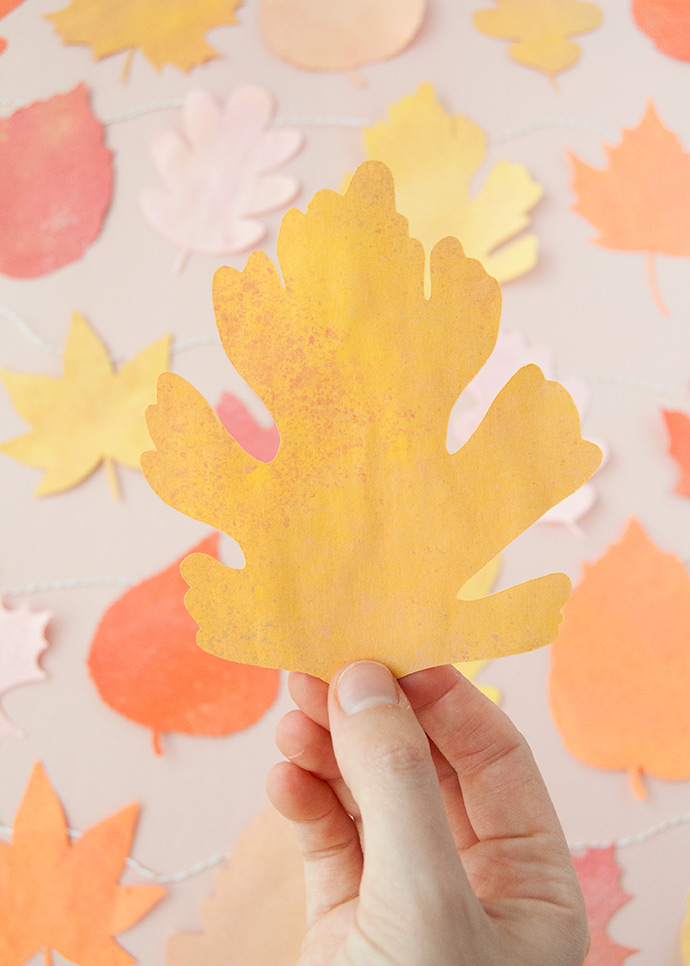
<point x="47" y="956"/>
<point x="654" y="285"/>
<point x="112" y="478"/>
<point x="127" y="64"/>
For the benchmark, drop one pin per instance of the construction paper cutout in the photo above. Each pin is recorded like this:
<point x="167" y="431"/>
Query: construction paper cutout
<point x="512" y="351"/>
<point x="6" y="6"/>
<point x="434" y="158"/>
<point x="260" y="442"/>
<point x="56" y="185"/>
<point x="90" y="415"/>
<point x="620" y="667"/>
<point x="164" y="31"/>
<point x="678" y="426"/>
<point x="146" y="665"/>
<point x="262" y="885"/>
<point x="540" y="30"/>
<point x="641" y="201"/>
<point x="667" y="22"/>
<point x="22" y="641"/>
<point x="477" y="587"/>
<point x="329" y="35"/>
<point x="218" y="176"/>
<point x="359" y="533"/>
<point x="600" y="877"/>
<point x="63" y="895"/>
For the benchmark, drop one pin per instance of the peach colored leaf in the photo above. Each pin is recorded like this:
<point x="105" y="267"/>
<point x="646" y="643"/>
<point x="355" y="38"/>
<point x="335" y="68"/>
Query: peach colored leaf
<point x="220" y="176"/>
<point x="22" y="641"/>
<point x="678" y="426"/>
<point x="667" y="22"/>
<point x="56" y="184"/>
<point x="600" y="876"/>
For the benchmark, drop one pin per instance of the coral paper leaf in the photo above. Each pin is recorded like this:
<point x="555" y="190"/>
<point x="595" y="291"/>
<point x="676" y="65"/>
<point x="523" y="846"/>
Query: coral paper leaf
<point x="218" y="178"/>
<point x="329" y="35"/>
<point x="667" y="22"/>
<point x="64" y="895"/>
<point x="90" y="415"/>
<point x="263" y="883"/>
<point x="600" y="876"/>
<point x="620" y="669"/>
<point x="678" y="426"/>
<point x="165" y="31"/>
<point x="56" y="185"/>
<point x="147" y="666"/>
<point x="22" y="641"/>
<point x="260" y="442"/>
<point x="540" y="29"/>
<point x="358" y="535"/>
<point x="434" y="157"/>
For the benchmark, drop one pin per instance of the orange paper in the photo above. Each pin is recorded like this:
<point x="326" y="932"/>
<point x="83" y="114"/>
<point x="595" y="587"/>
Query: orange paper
<point x="600" y="878"/>
<point x="667" y="22"/>
<point x="359" y="534"/>
<point x="620" y="668"/>
<point x="678" y="426"/>
<point x="63" y="895"/>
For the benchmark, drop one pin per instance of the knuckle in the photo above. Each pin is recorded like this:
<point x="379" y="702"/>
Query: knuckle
<point x="397" y="756"/>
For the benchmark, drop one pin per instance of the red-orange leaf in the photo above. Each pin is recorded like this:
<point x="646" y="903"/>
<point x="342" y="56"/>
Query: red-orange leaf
<point x="5" y="7"/>
<point x="63" y="895"/>
<point x="667" y="22"/>
<point x="678" y="426"/>
<point x="600" y="876"/>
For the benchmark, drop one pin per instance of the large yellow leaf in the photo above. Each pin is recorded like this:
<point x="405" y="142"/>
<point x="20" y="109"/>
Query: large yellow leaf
<point x="359" y="534"/>
<point x="90" y="415"/>
<point x="434" y="157"/>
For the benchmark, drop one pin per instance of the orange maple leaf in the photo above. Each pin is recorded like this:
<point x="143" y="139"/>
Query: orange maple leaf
<point x="667" y="22"/>
<point x="641" y="201"/>
<point x="64" y="895"/>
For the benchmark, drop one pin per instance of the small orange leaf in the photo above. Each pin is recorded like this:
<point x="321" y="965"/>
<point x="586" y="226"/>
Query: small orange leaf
<point x="678" y="426"/>
<point x="600" y="876"/>
<point x="667" y="22"/>
<point x="62" y="895"/>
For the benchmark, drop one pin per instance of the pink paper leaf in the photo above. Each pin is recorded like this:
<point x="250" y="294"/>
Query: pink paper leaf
<point x="22" y="640"/>
<point x="260" y="442"/>
<point x="600" y="876"/>
<point x="217" y="177"/>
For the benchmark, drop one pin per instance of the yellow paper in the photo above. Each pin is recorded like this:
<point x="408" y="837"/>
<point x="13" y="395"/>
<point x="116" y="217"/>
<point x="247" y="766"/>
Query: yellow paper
<point x="476" y="587"/>
<point x="434" y="158"/>
<point x="359" y="534"/>
<point x="90" y="415"/>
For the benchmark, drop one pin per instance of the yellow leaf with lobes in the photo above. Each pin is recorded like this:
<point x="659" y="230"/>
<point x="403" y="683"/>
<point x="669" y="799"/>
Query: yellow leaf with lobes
<point x="358" y="535"/>
<point x="433" y="157"/>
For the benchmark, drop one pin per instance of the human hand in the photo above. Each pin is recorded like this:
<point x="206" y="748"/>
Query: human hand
<point x="428" y="835"/>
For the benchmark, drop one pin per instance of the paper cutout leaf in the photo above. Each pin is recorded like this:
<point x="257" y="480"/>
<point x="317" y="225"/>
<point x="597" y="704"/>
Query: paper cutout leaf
<point x="260" y="442"/>
<point x="641" y="200"/>
<point x="22" y="641"/>
<point x="667" y="22"/>
<point x="620" y="668"/>
<point x="146" y="665"/>
<point x="6" y="6"/>
<point x="678" y="426"/>
<point x="64" y="895"/>
<point x="218" y="176"/>
<point x="360" y="532"/>
<point x="512" y="351"/>
<point x="56" y="185"/>
<point x="90" y="415"/>
<point x="434" y="158"/>
<point x="262" y="885"/>
<point x="540" y="29"/>
<point x="600" y="875"/>
<point x="329" y="35"/>
<point x="477" y="587"/>
<point x="164" y="31"/>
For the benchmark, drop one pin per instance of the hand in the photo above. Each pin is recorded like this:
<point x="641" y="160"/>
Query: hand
<point x="422" y="851"/>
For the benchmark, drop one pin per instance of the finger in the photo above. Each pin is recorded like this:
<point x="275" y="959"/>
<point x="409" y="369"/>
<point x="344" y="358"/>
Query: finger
<point x="310" y="694"/>
<point x="326" y="836"/>
<point x="461" y="829"/>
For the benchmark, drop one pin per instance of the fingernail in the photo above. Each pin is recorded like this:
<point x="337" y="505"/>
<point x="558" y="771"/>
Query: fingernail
<point x="364" y="684"/>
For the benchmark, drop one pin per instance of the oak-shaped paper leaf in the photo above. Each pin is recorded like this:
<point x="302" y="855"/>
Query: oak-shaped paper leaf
<point x="540" y="30"/>
<point x="263" y="884"/>
<point x="90" y="415"/>
<point x="164" y="31"/>
<point x="56" y="184"/>
<point x="667" y="22"/>
<point x="219" y="177"/>
<point x="22" y="641"/>
<point x="358" y="535"/>
<point x="434" y="157"/>
<point x="146" y="665"/>
<point x="620" y="667"/>
<point x="5" y="7"/>
<point x="329" y="35"/>
<point x="261" y="442"/>
<point x="640" y="201"/>
<point x="600" y="876"/>
<point x="64" y="895"/>
<point x="678" y="426"/>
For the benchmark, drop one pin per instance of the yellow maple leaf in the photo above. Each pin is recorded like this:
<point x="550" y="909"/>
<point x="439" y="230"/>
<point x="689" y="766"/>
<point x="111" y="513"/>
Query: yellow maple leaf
<point x="165" y="31"/>
<point x="359" y="533"/>
<point x="433" y="157"/>
<point x="540" y="29"/>
<point x="90" y="415"/>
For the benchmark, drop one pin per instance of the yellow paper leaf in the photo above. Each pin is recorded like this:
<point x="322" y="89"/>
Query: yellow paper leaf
<point x="90" y="415"/>
<point x="434" y="157"/>
<point x="476" y="587"/>
<point x="540" y="29"/>
<point x="359" y="533"/>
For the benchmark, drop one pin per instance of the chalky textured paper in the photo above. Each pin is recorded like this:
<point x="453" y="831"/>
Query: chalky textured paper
<point x="22" y="641"/>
